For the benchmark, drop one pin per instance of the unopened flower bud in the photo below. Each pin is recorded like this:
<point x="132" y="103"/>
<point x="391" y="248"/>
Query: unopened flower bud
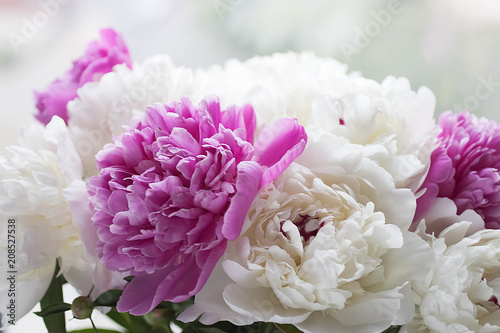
<point x="82" y="307"/>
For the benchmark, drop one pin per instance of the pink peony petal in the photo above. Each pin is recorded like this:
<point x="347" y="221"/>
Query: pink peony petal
<point x="465" y="168"/>
<point x="278" y="146"/>
<point x="441" y="171"/>
<point x="103" y="55"/>
<point x="175" y="282"/>
<point x="241" y="120"/>
<point x="247" y="184"/>
<point x="212" y="106"/>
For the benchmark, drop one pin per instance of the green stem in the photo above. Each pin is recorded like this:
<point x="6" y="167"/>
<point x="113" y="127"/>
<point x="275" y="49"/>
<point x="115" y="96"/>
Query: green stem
<point x="279" y="328"/>
<point x="287" y="328"/>
<point x="93" y="325"/>
<point x="55" y="323"/>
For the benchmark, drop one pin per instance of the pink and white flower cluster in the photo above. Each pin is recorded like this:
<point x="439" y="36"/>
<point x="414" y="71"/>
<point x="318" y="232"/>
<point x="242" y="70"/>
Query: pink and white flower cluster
<point x="280" y="189"/>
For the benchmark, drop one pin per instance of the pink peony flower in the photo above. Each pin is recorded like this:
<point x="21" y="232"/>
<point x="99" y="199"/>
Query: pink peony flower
<point x="176" y="187"/>
<point x="465" y="167"/>
<point x="99" y="59"/>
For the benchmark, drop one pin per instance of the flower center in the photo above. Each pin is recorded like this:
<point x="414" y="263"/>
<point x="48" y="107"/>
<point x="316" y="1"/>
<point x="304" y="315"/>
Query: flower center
<point x="494" y="299"/>
<point x="307" y="225"/>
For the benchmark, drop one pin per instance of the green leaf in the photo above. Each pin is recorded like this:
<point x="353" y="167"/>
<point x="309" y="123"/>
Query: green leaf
<point x="133" y="324"/>
<point x="122" y="319"/>
<point x="108" y="298"/>
<point x="267" y="328"/>
<point x="91" y="330"/>
<point x="56" y="322"/>
<point x="194" y="329"/>
<point x="288" y="328"/>
<point x="129" y="278"/>
<point x="180" y="307"/>
<point x="139" y="325"/>
<point x="164" y="305"/>
<point x="159" y="319"/>
<point x="219" y="327"/>
<point x="392" y="329"/>
<point x="52" y="309"/>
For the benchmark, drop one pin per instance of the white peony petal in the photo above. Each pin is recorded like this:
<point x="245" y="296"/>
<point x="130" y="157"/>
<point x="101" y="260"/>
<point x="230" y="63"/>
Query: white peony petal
<point x="443" y="213"/>
<point x="410" y="262"/>
<point x="92" y="275"/>
<point x="458" y="294"/>
<point x="351" y="165"/>
<point x="321" y="323"/>
<point x="209" y="303"/>
<point x="29" y="290"/>
<point x="36" y="188"/>
<point x="78" y="200"/>
<point x="255" y="303"/>
<point x="241" y="275"/>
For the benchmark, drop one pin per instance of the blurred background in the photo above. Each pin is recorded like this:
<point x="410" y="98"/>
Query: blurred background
<point x="451" y="46"/>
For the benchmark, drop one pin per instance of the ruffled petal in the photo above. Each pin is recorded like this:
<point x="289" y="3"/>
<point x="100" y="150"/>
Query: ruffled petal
<point x="278" y="145"/>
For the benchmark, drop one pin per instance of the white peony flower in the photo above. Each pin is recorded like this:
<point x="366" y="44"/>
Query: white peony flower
<point x="33" y="181"/>
<point x="37" y="186"/>
<point x="335" y="160"/>
<point x="313" y="256"/>
<point x="103" y="108"/>
<point x="387" y="116"/>
<point x="461" y="292"/>
<point x="280" y="85"/>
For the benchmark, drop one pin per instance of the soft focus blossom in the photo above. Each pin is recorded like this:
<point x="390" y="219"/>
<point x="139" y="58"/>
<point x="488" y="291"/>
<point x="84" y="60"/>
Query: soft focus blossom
<point x="314" y="257"/>
<point x="35" y="185"/>
<point x="393" y="123"/>
<point x="100" y="57"/>
<point x="464" y="171"/>
<point x="279" y="85"/>
<point x="175" y="187"/>
<point x="460" y="293"/>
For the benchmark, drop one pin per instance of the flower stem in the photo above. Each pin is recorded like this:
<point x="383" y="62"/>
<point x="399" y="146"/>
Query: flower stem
<point x="55" y="323"/>
<point x="93" y="326"/>
<point x="279" y="328"/>
<point x="287" y="328"/>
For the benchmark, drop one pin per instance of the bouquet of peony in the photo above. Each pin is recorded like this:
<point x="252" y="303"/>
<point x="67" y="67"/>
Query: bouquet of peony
<point x="279" y="194"/>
